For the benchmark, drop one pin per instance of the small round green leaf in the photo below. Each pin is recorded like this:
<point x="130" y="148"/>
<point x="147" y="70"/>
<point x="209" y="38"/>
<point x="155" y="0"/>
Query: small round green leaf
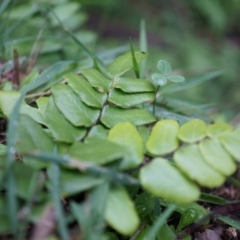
<point x="126" y="134"/>
<point x="164" y="180"/>
<point x="164" y="67"/>
<point x="216" y="156"/>
<point x="191" y="163"/>
<point x="218" y="129"/>
<point x="231" y="142"/>
<point x="192" y="131"/>
<point x="176" y="78"/>
<point x="159" y="79"/>
<point x="163" y="138"/>
<point x="121" y="214"/>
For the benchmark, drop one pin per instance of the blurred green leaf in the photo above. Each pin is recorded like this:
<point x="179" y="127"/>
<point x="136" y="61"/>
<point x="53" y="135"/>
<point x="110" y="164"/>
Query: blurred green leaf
<point x="145" y="203"/>
<point x="231" y="142"/>
<point x="29" y="137"/>
<point x="97" y="151"/>
<point x="131" y="85"/>
<point x="164" y="67"/>
<point x="96" y="79"/>
<point x="192" y="131"/>
<point x="159" y="79"/>
<point x="126" y="134"/>
<point x="85" y="91"/>
<point x="166" y="233"/>
<point x="71" y="106"/>
<point x="121" y="214"/>
<point x="218" y="129"/>
<point x="113" y="115"/>
<point x="98" y="131"/>
<point x="163" y="137"/>
<point x="163" y="180"/>
<point x="187" y="218"/>
<point x="217" y="157"/>
<point x="61" y="129"/>
<point x="74" y="182"/>
<point x="189" y="160"/>
<point x="176" y="78"/>
<point x="127" y="100"/>
<point x="124" y="63"/>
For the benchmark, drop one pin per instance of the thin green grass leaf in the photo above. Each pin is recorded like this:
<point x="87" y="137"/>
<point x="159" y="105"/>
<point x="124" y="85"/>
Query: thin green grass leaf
<point x="83" y="166"/>
<point x="204" y="197"/>
<point x="54" y="175"/>
<point x="158" y="224"/>
<point x="192" y="82"/>
<point x="234" y="181"/>
<point x="134" y="61"/>
<point x="143" y="47"/>
<point x="230" y="221"/>
<point x="79" y="43"/>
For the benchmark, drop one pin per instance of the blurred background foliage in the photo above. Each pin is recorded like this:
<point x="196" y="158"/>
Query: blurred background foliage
<point x="195" y="37"/>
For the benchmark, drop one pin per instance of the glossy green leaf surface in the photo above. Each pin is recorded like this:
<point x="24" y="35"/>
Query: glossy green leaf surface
<point x="30" y="136"/>
<point x="163" y="138"/>
<point x="218" y="129"/>
<point x="96" y="79"/>
<point x="83" y="88"/>
<point x="120" y="213"/>
<point x="231" y="142"/>
<point x="61" y="129"/>
<point x="113" y="115"/>
<point x="124" y="63"/>
<point x="131" y="85"/>
<point x="126" y="134"/>
<point x="159" y="79"/>
<point x="176" y="78"/>
<point x="71" y="106"/>
<point x="160" y="178"/>
<point x="74" y="182"/>
<point x="164" y="67"/>
<point x="191" y="163"/>
<point x="127" y="100"/>
<point x="216" y="156"/>
<point x="97" y="151"/>
<point x="201" y="211"/>
<point x="192" y="131"/>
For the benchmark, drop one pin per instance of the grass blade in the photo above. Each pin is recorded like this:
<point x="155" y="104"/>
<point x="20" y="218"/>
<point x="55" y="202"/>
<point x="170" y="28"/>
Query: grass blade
<point x="158" y="224"/>
<point x="54" y="175"/>
<point x="230" y="221"/>
<point x="212" y="199"/>
<point x="192" y="82"/>
<point x="143" y="47"/>
<point x="134" y="61"/>
<point x="83" y="166"/>
<point x="79" y="43"/>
